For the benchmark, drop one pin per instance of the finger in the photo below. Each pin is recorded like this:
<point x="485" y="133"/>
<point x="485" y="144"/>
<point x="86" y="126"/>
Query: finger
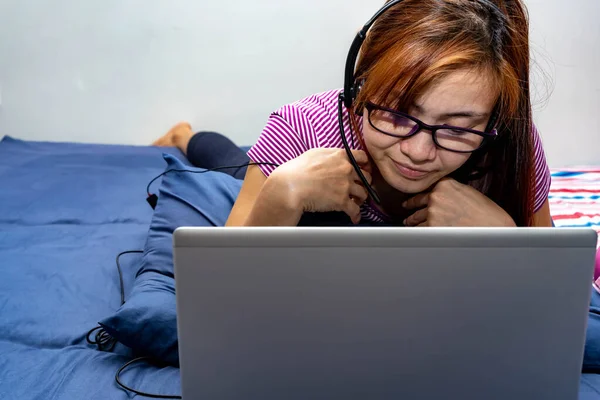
<point x="368" y="166"/>
<point x="360" y="156"/>
<point x="446" y="180"/>
<point x="417" y="218"/>
<point x="359" y="193"/>
<point x="366" y="174"/>
<point x="418" y="201"/>
<point x="353" y="211"/>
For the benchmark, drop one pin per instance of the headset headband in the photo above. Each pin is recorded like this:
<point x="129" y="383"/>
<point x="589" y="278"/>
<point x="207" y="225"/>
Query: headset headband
<point x="350" y="91"/>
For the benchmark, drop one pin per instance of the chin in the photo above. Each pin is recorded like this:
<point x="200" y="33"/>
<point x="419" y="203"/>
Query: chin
<point x="409" y="185"/>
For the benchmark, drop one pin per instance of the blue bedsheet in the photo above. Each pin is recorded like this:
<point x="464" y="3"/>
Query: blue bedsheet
<point x="66" y="211"/>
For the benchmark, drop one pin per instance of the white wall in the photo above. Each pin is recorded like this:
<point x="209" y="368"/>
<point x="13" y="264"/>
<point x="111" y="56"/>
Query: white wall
<point x="565" y="38"/>
<point x="124" y="71"/>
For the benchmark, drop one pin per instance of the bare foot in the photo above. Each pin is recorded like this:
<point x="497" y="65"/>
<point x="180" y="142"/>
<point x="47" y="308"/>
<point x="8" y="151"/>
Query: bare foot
<point x="179" y="136"/>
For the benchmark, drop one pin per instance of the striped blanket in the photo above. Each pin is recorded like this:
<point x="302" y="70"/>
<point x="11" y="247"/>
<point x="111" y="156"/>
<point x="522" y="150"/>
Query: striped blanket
<point x="575" y="197"/>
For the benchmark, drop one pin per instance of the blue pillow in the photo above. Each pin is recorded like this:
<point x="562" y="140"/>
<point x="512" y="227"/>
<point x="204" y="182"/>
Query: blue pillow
<point x="147" y="322"/>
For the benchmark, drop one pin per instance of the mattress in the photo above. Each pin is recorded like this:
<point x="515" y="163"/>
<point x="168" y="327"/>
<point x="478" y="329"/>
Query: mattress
<point x="67" y="210"/>
<point x="575" y="197"/>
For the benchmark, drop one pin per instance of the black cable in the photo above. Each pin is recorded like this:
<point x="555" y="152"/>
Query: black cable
<point x="138" y="392"/>
<point x="102" y="339"/>
<point x="121" y="272"/>
<point x="351" y="158"/>
<point x="207" y="170"/>
<point x="105" y="342"/>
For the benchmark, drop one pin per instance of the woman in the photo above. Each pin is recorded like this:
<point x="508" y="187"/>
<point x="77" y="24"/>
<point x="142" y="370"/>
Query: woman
<point x="433" y="74"/>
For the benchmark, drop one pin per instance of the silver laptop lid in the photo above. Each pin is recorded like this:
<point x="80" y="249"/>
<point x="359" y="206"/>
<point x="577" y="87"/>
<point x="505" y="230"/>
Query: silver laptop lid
<point x="380" y="313"/>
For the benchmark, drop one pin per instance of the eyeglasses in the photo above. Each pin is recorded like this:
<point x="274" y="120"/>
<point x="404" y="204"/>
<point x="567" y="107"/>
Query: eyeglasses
<point x="451" y="138"/>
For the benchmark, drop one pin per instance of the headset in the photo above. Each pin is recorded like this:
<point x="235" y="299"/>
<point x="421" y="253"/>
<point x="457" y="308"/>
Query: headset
<point x="352" y="88"/>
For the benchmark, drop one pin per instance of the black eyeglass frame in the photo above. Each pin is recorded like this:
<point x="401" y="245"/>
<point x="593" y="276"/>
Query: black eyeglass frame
<point x="487" y="136"/>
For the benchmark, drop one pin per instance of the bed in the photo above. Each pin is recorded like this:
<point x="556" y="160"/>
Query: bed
<point x="67" y="210"/>
<point x="575" y="197"/>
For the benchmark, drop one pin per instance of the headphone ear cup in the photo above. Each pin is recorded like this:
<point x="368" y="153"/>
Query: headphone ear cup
<point x="355" y="89"/>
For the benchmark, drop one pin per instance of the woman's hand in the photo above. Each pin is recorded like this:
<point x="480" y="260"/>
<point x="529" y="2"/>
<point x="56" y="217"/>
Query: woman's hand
<point x="451" y="203"/>
<point x="323" y="179"/>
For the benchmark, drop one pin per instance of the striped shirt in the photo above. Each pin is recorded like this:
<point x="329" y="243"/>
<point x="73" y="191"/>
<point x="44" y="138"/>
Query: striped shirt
<point x="313" y="123"/>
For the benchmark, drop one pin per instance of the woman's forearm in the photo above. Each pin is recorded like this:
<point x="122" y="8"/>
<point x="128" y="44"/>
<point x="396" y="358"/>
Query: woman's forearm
<point x="274" y="206"/>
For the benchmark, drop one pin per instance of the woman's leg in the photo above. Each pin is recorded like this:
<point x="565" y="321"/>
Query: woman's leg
<point x="212" y="150"/>
<point x="206" y="149"/>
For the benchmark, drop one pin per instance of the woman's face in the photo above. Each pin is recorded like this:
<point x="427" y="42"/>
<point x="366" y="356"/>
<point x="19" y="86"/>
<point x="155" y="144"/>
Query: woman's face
<point x="411" y="165"/>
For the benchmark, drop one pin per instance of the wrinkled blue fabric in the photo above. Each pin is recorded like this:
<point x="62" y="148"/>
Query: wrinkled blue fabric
<point x="147" y="322"/>
<point x="66" y="211"/>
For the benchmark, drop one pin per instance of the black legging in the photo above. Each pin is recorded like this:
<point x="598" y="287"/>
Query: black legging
<point x="211" y="150"/>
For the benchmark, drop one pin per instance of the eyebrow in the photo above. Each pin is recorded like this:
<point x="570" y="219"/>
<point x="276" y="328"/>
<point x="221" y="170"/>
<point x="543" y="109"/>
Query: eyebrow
<point x="458" y="114"/>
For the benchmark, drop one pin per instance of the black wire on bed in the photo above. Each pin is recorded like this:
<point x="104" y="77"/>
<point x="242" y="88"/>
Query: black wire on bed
<point x="105" y="342"/>
<point x="208" y="170"/>
<point x="102" y="339"/>
<point x="120" y="271"/>
<point x="138" y="392"/>
<point x="152" y="199"/>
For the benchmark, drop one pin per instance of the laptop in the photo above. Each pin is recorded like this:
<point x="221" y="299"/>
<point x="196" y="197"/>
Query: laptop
<point x="382" y="313"/>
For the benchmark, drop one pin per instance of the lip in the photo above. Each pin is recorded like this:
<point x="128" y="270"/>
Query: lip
<point x="410" y="172"/>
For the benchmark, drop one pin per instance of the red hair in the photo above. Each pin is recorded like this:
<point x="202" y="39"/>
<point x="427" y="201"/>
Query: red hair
<point x="419" y="42"/>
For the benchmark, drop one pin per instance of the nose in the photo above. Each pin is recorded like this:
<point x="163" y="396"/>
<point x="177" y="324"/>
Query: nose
<point x="419" y="148"/>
